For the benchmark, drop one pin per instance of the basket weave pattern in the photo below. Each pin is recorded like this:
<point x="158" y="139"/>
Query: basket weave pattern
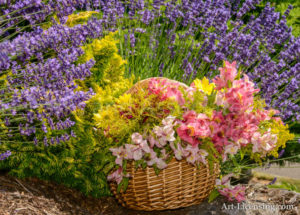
<point x="179" y="185"/>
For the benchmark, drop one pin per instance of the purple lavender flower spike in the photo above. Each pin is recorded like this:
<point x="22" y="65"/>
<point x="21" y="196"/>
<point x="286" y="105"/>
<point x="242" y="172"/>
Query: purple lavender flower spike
<point x="281" y="153"/>
<point x="132" y="40"/>
<point x="273" y="181"/>
<point x="5" y="155"/>
<point x="161" y="69"/>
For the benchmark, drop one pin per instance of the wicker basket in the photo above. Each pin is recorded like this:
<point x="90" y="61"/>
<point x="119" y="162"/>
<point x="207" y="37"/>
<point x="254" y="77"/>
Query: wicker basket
<point x="179" y="185"/>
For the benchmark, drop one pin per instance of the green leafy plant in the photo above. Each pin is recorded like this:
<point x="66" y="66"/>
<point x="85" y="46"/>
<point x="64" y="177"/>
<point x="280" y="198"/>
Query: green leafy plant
<point x="286" y="186"/>
<point x="81" y="162"/>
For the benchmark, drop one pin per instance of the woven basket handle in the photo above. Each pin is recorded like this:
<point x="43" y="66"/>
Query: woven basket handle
<point x="143" y="84"/>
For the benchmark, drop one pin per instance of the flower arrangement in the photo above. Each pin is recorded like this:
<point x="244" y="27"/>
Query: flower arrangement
<point x="203" y="123"/>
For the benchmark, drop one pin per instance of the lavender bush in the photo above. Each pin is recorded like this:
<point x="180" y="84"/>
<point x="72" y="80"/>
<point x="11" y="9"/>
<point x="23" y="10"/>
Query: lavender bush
<point x="38" y="92"/>
<point x="294" y="15"/>
<point x="18" y="16"/>
<point x="192" y="38"/>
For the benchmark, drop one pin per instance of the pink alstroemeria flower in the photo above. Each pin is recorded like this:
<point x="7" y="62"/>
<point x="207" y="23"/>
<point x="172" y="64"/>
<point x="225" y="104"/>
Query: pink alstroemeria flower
<point x="119" y="153"/>
<point x="263" y="143"/>
<point x="227" y="73"/>
<point x="192" y="153"/>
<point x="239" y="193"/>
<point x="137" y="154"/>
<point x="135" y="150"/>
<point x="231" y="149"/>
<point x="202" y="154"/>
<point x="152" y="154"/>
<point x="128" y="152"/>
<point x="190" y="92"/>
<point x="160" y="163"/>
<point x="166" y="90"/>
<point x="242" y="141"/>
<point x="225" y="180"/>
<point x="117" y="176"/>
<point x="179" y="152"/>
<point x="186" y="134"/>
<point x="236" y="193"/>
<point x="153" y="142"/>
<point x="268" y="141"/>
<point x="144" y="146"/>
<point x="155" y="86"/>
<point x="189" y="116"/>
<point x="169" y="121"/>
<point x="220" y="100"/>
<point x="136" y="138"/>
<point x="262" y="115"/>
<point x="164" y="134"/>
<point x="239" y="97"/>
<point x="173" y="93"/>
<point x="202" y="126"/>
<point x="141" y="146"/>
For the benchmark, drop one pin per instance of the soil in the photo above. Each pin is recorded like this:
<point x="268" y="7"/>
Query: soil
<point x="36" y="197"/>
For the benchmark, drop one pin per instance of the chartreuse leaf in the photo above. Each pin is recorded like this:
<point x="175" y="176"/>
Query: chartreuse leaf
<point x="120" y="186"/>
<point x="69" y="160"/>
<point x="242" y="153"/>
<point x="156" y="170"/>
<point x="108" y="168"/>
<point x="125" y="167"/>
<point x="213" y="195"/>
<point x="123" y="185"/>
<point x="144" y="165"/>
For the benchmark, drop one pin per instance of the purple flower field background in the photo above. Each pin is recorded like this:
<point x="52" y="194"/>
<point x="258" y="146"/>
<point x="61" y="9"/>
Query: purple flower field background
<point x="44" y="78"/>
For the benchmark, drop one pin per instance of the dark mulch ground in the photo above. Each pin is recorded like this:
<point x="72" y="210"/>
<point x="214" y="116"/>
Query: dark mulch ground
<point x="36" y="197"/>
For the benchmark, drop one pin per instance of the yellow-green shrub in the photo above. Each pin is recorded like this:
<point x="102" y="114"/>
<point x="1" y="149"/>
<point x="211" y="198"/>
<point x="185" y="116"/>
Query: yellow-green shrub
<point x="81" y="162"/>
<point x="79" y="18"/>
